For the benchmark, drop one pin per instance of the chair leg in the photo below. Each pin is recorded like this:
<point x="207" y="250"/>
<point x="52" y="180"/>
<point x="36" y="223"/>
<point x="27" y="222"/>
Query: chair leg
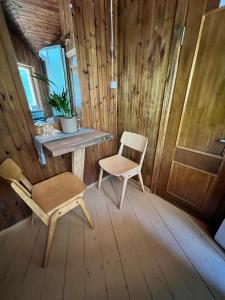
<point x="123" y="191"/>
<point x="32" y="219"/>
<point x="141" y="181"/>
<point x="51" y="230"/>
<point x="100" y="178"/>
<point x="86" y="212"/>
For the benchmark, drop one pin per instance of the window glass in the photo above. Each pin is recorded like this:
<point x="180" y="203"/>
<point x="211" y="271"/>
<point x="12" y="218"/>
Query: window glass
<point x="28" y="87"/>
<point x="54" y="59"/>
<point x="75" y="82"/>
<point x="222" y="3"/>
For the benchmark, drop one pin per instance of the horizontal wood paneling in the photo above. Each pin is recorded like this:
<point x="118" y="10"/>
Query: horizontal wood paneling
<point x="145" y="31"/>
<point x="35" y="21"/>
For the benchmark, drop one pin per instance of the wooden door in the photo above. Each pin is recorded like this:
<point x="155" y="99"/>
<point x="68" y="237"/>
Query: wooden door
<point x="194" y="175"/>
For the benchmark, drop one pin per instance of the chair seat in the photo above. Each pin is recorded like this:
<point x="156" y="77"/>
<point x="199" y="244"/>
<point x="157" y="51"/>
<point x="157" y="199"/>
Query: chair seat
<point x="117" y="165"/>
<point x="54" y="192"/>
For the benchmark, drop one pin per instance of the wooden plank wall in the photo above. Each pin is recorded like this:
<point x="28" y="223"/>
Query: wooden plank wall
<point x="145" y="34"/>
<point x="27" y="57"/>
<point x="92" y="35"/>
<point x="142" y="50"/>
<point x="91" y="26"/>
<point x="37" y="21"/>
<point x="16" y="131"/>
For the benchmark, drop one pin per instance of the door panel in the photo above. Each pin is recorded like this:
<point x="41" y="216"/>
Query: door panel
<point x="197" y="164"/>
<point x="203" y="120"/>
<point x="182" y="180"/>
<point x="197" y="159"/>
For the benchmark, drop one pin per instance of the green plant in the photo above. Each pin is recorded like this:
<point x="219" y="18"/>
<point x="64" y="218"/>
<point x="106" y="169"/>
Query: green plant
<point x="61" y="103"/>
<point x="42" y="78"/>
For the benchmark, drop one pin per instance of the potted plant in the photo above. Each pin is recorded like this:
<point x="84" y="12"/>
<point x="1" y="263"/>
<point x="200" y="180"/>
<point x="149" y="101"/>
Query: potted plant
<point x="62" y="104"/>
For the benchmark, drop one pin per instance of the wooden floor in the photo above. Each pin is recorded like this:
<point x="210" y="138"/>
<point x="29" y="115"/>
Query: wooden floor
<point x="148" y="250"/>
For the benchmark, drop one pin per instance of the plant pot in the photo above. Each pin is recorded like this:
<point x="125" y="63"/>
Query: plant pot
<point x="69" y="125"/>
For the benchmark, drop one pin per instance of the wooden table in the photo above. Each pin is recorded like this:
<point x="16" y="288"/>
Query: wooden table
<point x="76" y="145"/>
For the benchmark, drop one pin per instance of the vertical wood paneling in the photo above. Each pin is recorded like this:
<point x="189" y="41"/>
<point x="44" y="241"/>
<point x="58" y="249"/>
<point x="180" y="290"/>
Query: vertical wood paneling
<point x="91" y="33"/>
<point x="91" y="29"/>
<point x="16" y="130"/>
<point x="176" y="46"/>
<point x="145" y="33"/>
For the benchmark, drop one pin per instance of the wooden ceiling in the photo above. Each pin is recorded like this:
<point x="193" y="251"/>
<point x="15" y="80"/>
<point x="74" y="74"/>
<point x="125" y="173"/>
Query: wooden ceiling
<point x="36" y="21"/>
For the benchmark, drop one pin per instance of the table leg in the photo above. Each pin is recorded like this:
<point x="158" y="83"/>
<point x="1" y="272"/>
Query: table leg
<point x="78" y="156"/>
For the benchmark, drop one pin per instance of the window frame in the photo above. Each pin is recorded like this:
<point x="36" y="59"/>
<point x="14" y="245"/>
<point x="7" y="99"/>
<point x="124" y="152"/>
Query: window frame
<point x="35" y="90"/>
<point x="74" y="68"/>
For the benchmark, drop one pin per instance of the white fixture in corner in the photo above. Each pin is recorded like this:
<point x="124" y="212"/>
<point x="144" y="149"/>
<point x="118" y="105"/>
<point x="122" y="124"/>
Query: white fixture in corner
<point x="220" y="235"/>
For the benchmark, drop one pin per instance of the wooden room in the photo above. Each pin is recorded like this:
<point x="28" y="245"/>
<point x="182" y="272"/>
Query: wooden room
<point x="112" y="149"/>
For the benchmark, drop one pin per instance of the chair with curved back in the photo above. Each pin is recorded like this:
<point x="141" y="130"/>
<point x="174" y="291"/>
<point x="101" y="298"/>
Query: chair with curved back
<point x="119" y="165"/>
<point x="49" y="199"/>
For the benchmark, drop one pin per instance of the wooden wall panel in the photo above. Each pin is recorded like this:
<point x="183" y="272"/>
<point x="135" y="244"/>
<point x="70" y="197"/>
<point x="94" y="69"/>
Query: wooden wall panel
<point x="91" y="34"/>
<point x="16" y="132"/>
<point x="35" y="21"/>
<point x="145" y="34"/>
<point x="26" y="56"/>
<point x="92" y="37"/>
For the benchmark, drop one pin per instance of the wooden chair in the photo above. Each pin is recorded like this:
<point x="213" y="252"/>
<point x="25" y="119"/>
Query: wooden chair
<point x="119" y="165"/>
<point x="49" y="199"/>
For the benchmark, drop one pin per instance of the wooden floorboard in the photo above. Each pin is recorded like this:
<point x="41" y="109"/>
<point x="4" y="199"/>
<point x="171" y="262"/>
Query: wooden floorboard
<point x="114" y="271"/>
<point x="200" y="252"/>
<point x="95" y="282"/>
<point x="35" y="276"/>
<point x="147" y="250"/>
<point x="54" y="279"/>
<point x="135" y="278"/>
<point x="173" y="264"/>
<point x="74" y="281"/>
<point x="12" y="282"/>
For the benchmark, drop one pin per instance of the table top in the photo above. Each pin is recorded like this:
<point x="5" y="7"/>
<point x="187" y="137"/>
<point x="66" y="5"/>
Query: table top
<point x="82" y="139"/>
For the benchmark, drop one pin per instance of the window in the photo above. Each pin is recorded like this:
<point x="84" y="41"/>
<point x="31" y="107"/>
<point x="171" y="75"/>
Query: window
<point x="222" y="3"/>
<point x="75" y="81"/>
<point x="28" y="84"/>
<point x="54" y="59"/>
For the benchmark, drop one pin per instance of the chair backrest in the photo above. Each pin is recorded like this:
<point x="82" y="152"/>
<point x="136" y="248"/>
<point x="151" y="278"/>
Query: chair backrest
<point x="134" y="141"/>
<point x="11" y="172"/>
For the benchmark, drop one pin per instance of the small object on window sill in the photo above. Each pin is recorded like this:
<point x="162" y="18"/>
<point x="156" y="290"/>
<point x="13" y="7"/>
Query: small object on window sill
<point x="45" y="129"/>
